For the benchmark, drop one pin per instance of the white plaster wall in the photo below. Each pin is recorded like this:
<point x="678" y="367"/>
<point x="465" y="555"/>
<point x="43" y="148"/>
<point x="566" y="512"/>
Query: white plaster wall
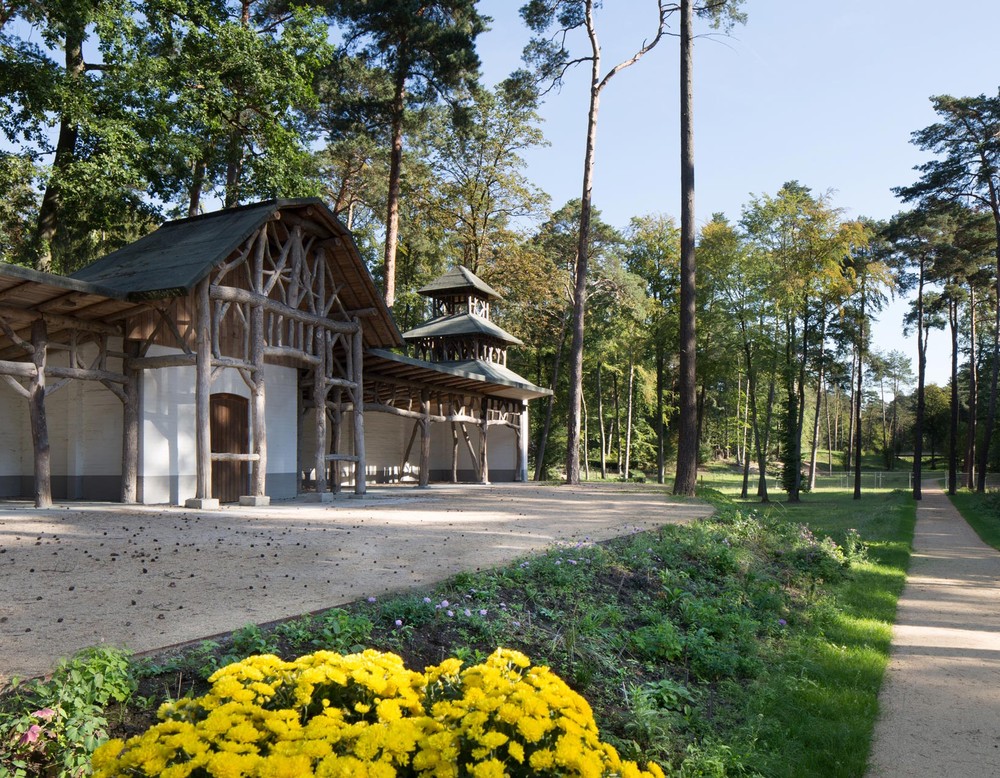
<point x="281" y="412"/>
<point x="501" y="455"/>
<point x="13" y="420"/>
<point x="167" y="432"/>
<point x="168" y="456"/>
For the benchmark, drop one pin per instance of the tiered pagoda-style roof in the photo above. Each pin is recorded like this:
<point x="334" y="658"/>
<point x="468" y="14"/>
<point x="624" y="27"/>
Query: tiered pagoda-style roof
<point x="461" y="329"/>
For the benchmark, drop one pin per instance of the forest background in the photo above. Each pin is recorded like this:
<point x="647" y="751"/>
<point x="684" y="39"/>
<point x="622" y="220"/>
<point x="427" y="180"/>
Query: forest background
<point x="115" y="115"/>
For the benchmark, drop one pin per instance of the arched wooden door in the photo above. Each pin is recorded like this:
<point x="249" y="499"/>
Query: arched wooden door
<point x="230" y="435"/>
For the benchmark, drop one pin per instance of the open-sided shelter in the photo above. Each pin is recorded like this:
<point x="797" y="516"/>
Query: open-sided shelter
<point x="229" y="356"/>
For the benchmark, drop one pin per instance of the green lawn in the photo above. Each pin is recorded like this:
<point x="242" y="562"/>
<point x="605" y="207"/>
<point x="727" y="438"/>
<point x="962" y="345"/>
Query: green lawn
<point x="817" y="705"/>
<point x="982" y="511"/>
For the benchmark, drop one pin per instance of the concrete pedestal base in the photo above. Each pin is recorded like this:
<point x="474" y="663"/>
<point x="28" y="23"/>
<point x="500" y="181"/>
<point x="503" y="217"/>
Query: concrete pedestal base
<point x="202" y="503"/>
<point x="254" y="501"/>
<point x="318" y="497"/>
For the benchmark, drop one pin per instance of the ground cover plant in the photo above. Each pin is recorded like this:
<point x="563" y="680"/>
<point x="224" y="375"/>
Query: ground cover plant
<point x="746" y="644"/>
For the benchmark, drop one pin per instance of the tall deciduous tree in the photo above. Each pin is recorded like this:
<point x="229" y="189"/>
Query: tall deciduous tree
<point x="966" y="142"/>
<point x="427" y="48"/>
<point x="549" y="55"/>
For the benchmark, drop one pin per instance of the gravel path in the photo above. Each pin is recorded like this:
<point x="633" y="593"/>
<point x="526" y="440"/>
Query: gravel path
<point x="940" y="702"/>
<point x="147" y="577"/>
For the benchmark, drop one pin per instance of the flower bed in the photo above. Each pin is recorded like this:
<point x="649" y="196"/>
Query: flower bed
<point x="366" y="714"/>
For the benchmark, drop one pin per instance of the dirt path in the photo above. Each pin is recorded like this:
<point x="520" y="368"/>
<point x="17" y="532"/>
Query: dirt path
<point x="150" y="577"/>
<point x="940" y="703"/>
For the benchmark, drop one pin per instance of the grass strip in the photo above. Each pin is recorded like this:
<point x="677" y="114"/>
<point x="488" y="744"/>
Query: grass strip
<point x="982" y="511"/>
<point x="816" y="706"/>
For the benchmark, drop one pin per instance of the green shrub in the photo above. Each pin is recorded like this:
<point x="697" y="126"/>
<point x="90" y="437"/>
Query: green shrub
<point x="52" y="727"/>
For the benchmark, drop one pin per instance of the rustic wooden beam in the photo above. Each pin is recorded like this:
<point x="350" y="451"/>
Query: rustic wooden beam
<point x="454" y="453"/>
<point x="484" y="461"/>
<point x="409" y="445"/>
<point x="287" y="352"/>
<point x="357" y="374"/>
<point x="319" y="401"/>
<point x="257" y="392"/>
<point x="251" y="298"/>
<point x="338" y="430"/>
<point x="16" y="339"/>
<point x="425" y="438"/>
<point x="59" y="320"/>
<point x="164" y="360"/>
<point x="203" y="390"/>
<point x="218" y="456"/>
<point x="13" y="383"/>
<point x="85" y="374"/>
<point x="472" y="451"/>
<point x="401" y="412"/>
<point x="21" y="369"/>
<point x="130" y="425"/>
<point x="39" y="424"/>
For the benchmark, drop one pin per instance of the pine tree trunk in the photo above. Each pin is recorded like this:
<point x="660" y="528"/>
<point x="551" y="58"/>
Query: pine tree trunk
<point x="580" y="281"/>
<point x="547" y="426"/>
<point x="687" y="443"/>
<point x="395" y="177"/>
<point x="970" y="444"/>
<point x="628" y="421"/>
<point x="600" y="419"/>
<point x="660" y="463"/>
<point x="953" y="432"/>
<point x="918" y="424"/>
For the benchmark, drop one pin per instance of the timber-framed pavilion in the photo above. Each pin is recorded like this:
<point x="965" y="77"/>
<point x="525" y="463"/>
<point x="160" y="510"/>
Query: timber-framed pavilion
<point x="227" y="356"/>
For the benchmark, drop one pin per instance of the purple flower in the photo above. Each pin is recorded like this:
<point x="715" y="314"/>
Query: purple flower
<point x="558" y="561"/>
<point x="445" y="603"/>
<point x="372" y="599"/>
<point x="399" y="622"/>
<point x="450" y="613"/>
<point x="427" y="600"/>
<point x="517" y="623"/>
<point x="33" y="733"/>
<point x="482" y="612"/>
<point x="467" y="612"/>
<point x="782" y="622"/>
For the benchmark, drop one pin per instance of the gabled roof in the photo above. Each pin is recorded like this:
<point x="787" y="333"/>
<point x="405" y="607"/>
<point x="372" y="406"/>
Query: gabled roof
<point x="172" y="260"/>
<point x="177" y="255"/>
<point x="460" y="325"/>
<point x="459" y="279"/>
<point x="468" y="374"/>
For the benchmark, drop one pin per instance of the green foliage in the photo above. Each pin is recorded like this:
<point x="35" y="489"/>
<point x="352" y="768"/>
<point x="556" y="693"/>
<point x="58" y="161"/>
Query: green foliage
<point x="52" y="727"/>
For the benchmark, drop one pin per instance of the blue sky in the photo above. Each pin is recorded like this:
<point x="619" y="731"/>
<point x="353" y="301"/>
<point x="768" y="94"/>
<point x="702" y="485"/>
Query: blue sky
<point x="825" y="93"/>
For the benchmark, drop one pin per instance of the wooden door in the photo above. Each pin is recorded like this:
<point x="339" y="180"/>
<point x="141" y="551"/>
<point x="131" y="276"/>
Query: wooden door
<point x="230" y="435"/>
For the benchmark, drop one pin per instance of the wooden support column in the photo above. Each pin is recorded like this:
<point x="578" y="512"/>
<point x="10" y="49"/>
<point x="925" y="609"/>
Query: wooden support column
<point x="203" y="389"/>
<point x="130" y="425"/>
<point x="357" y="365"/>
<point x="454" y="453"/>
<point x="36" y="409"/>
<point x="258" y="416"/>
<point x="319" y="402"/>
<point x="425" y="438"/>
<point x="484" y="428"/>
<point x="522" y="445"/>
<point x="338" y="436"/>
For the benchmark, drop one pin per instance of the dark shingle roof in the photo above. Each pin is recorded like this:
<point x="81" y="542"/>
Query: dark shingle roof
<point x="180" y="253"/>
<point x="460" y="325"/>
<point x="469" y="374"/>
<point x="459" y="279"/>
<point x="172" y="260"/>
